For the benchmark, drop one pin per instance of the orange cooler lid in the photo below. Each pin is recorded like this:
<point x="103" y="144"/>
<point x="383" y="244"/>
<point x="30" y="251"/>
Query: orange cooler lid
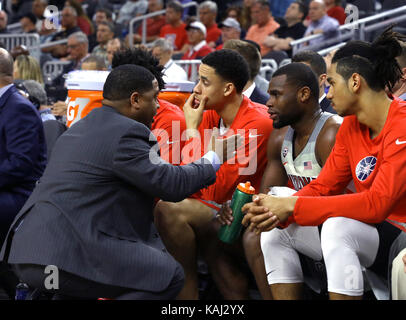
<point x="246" y="187"/>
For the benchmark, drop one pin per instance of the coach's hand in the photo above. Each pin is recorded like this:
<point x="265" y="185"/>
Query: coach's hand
<point x="225" y="148"/>
<point x="225" y="214"/>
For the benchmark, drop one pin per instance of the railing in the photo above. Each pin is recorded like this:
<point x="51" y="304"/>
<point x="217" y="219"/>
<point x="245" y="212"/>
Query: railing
<point x="52" y="69"/>
<point x="14" y="27"/>
<point x="53" y="43"/>
<point x="352" y="30"/>
<point x="144" y="23"/>
<point x="30" y="40"/>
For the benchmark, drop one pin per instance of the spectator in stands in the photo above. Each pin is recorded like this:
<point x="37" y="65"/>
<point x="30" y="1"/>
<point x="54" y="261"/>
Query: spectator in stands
<point x="38" y="9"/>
<point x="246" y="16"/>
<point x="320" y="23"/>
<point x="18" y="9"/>
<point x="318" y="65"/>
<point x="253" y="58"/>
<point x="230" y="30"/>
<point x="26" y="67"/>
<point x="69" y="24"/>
<point x="37" y="95"/>
<point x="22" y="147"/>
<point x="154" y="24"/>
<point x="3" y="22"/>
<point x="174" y="30"/>
<point x="78" y="49"/>
<point x="83" y="20"/>
<point x="130" y="10"/>
<point x="399" y="90"/>
<point x="264" y="26"/>
<point x="196" y="32"/>
<point x="28" y="23"/>
<point x="335" y="10"/>
<point x="101" y="14"/>
<point x="94" y="62"/>
<point x="162" y="50"/>
<point x="291" y="28"/>
<point x="105" y="32"/>
<point x="113" y="46"/>
<point x="217" y="102"/>
<point x="169" y="121"/>
<point x="207" y="14"/>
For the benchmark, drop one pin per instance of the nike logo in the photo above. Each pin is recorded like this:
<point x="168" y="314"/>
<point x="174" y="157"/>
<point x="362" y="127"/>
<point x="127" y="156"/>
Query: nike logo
<point x="285" y="163"/>
<point x="171" y="142"/>
<point x="398" y="142"/>
<point x="254" y="135"/>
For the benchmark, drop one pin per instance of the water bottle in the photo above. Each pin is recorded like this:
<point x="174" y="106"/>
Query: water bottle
<point x="21" y="291"/>
<point x="242" y="195"/>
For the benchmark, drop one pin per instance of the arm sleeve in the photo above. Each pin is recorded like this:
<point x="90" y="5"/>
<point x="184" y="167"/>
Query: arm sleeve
<point x="370" y="206"/>
<point x="23" y="144"/>
<point x="138" y="163"/>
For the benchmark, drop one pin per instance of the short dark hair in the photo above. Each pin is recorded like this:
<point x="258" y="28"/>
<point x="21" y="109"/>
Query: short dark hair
<point x="402" y="57"/>
<point x="375" y="62"/>
<point x="108" y="13"/>
<point x="125" y="80"/>
<point x="140" y="57"/>
<point x="300" y="75"/>
<point x="99" y="60"/>
<point x="109" y="25"/>
<point x="263" y="3"/>
<point x="303" y="8"/>
<point x="315" y="60"/>
<point x="229" y="65"/>
<point x="30" y="16"/>
<point x="249" y="52"/>
<point x="175" y="5"/>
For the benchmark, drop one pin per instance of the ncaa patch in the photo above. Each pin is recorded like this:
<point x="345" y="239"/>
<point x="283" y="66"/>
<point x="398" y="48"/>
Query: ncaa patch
<point x="285" y="152"/>
<point x="365" y="167"/>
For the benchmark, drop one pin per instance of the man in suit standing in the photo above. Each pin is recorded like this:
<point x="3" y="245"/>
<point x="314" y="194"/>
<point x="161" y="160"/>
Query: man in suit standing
<point x="253" y="58"/>
<point x="91" y="213"/>
<point x="22" y="146"/>
<point x="316" y="62"/>
<point x="22" y="154"/>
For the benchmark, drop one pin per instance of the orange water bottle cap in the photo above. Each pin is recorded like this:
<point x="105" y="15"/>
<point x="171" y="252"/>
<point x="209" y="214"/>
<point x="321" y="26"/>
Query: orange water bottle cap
<point x="246" y="187"/>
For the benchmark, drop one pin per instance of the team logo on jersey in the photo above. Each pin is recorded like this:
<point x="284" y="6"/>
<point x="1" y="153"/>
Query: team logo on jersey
<point x="285" y="152"/>
<point x="365" y="167"/>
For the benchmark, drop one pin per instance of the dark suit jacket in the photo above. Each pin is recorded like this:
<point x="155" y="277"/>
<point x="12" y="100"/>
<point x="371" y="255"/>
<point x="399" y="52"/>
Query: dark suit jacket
<point x="91" y="213"/>
<point x="22" y="154"/>
<point x="259" y="96"/>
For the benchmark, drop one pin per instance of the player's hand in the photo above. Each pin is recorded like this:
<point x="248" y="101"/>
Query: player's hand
<point x="59" y="108"/>
<point x="266" y="211"/>
<point x="225" y="214"/>
<point x="193" y="111"/>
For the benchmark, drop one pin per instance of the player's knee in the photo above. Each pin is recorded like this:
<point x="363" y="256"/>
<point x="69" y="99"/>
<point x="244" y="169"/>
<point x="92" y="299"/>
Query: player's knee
<point x="335" y="236"/>
<point x="251" y="244"/>
<point x="271" y="239"/>
<point x="165" y="213"/>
